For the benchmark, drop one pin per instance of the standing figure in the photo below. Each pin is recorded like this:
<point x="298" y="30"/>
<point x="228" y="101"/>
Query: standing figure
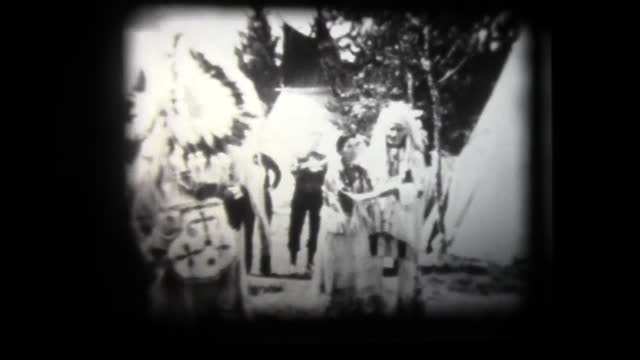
<point x="309" y="171"/>
<point x="269" y="165"/>
<point x="185" y="235"/>
<point x="195" y="155"/>
<point x="244" y="214"/>
<point x="400" y="179"/>
<point x="336" y="271"/>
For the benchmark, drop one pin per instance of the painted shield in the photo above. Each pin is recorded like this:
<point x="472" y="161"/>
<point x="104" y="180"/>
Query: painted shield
<point x="206" y="245"/>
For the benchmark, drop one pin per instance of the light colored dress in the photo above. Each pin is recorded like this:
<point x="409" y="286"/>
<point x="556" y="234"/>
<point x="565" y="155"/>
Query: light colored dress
<point x="343" y="235"/>
<point x="399" y="225"/>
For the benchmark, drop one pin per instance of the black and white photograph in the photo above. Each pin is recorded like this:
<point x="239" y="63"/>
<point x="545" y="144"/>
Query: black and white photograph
<point x="300" y="163"/>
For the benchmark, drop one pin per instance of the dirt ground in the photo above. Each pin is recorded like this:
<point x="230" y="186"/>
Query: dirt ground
<point x="457" y="287"/>
<point x="442" y="294"/>
<point x="447" y="289"/>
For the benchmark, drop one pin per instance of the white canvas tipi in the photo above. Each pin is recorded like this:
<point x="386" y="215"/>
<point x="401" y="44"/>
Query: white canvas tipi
<point x="298" y="118"/>
<point x="487" y="214"/>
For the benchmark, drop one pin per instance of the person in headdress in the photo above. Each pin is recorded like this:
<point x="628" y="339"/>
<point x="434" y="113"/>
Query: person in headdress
<point x="400" y="177"/>
<point x="192" y="159"/>
<point x="185" y="233"/>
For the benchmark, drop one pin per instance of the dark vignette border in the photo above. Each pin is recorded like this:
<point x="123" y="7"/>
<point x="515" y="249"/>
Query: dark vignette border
<point x="100" y="285"/>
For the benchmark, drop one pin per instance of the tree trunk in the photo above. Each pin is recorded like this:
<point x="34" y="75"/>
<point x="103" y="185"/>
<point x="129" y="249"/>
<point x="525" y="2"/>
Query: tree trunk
<point x="410" y="87"/>
<point x="437" y="125"/>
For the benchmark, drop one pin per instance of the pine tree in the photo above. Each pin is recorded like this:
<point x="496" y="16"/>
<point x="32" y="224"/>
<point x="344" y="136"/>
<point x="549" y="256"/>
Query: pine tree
<point x="392" y="54"/>
<point x="442" y="63"/>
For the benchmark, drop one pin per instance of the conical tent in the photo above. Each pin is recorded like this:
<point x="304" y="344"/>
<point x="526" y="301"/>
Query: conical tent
<point x="297" y="120"/>
<point x="299" y="116"/>
<point x="488" y="199"/>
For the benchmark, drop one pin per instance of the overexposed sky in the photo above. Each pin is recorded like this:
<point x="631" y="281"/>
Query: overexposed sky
<point x="213" y="30"/>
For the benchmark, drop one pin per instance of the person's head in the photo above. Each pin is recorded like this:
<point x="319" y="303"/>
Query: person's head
<point x="346" y="146"/>
<point x="397" y="134"/>
<point x="399" y="125"/>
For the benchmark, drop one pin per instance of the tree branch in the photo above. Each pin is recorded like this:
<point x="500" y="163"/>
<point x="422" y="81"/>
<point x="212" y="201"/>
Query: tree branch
<point x="453" y="48"/>
<point x="454" y="70"/>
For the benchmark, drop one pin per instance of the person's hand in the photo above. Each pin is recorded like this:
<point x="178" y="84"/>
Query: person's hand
<point x="304" y="165"/>
<point x="234" y="191"/>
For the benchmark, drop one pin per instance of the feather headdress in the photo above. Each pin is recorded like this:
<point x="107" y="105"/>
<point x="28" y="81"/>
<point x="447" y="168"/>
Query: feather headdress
<point x="206" y="107"/>
<point x="394" y="113"/>
<point x="197" y="126"/>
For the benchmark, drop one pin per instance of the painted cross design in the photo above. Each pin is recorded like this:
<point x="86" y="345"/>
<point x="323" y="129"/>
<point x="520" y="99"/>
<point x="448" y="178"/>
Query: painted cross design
<point x="201" y="220"/>
<point x="204" y="248"/>
<point x="188" y="254"/>
<point x="187" y="251"/>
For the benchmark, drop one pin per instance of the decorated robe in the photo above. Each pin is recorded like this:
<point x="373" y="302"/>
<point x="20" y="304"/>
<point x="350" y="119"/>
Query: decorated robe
<point x="389" y="260"/>
<point x="337" y="271"/>
<point x="194" y="253"/>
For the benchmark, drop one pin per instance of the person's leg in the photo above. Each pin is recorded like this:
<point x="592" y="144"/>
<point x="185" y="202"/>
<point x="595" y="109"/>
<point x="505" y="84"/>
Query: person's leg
<point x="248" y="221"/>
<point x="298" y="213"/>
<point x="370" y="274"/>
<point x="265" y="246"/>
<point x="265" y="255"/>
<point x="432" y="236"/>
<point x="408" y="289"/>
<point x="268" y="204"/>
<point x="314" y="226"/>
<point x="240" y="214"/>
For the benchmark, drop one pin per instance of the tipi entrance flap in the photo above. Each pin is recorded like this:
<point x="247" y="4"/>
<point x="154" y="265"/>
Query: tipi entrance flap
<point x="301" y="60"/>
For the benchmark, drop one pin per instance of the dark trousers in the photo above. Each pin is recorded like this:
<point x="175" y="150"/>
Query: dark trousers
<point x="302" y="203"/>
<point x="241" y="213"/>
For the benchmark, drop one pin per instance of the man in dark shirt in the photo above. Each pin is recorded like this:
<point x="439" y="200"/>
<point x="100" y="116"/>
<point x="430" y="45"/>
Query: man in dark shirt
<point x="309" y="172"/>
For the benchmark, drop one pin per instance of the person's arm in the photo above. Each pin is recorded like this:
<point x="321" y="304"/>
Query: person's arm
<point x="255" y="193"/>
<point x="373" y="194"/>
<point x="311" y="161"/>
<point x="296" y="167"/>
<point x="367" y="180"/>
<point x="270" y="164"/>
<point x="337" y="220"/>
<point x="416" y="180"/>
<point x="332" y="185"/>
<point x="325" y="166"/>
<point x="389" y="188"/>
<point x="323" y="161"/>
